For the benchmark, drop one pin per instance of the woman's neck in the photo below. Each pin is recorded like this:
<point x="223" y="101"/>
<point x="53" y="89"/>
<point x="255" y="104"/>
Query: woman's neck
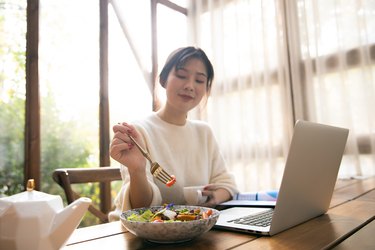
<point x="176" y="118"/>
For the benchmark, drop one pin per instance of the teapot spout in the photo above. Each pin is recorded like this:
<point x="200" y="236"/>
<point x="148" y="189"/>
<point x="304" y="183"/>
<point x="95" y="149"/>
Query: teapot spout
<point x="67" y="220"/>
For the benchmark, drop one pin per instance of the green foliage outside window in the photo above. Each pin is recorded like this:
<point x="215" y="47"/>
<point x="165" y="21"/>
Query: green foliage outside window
<point x="12" y="96"/>
<point x="62" y="143"/>
<point x="11" y="145"/>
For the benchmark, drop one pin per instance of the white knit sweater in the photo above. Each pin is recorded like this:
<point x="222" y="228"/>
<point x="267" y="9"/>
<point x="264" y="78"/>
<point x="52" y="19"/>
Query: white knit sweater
<point x="189" y="152"/>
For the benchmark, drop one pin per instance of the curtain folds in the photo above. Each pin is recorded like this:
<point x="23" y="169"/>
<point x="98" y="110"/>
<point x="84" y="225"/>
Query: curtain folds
<point x="336" y="73"/>
<point x="278" y="61"/>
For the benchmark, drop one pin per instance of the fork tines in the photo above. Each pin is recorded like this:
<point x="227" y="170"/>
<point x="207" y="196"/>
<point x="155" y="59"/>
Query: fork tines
<point x="156" y="170"/>
<point x="159" y="173"/>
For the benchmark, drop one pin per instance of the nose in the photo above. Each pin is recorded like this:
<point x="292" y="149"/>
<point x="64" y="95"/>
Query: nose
<point x="189" y="85"/>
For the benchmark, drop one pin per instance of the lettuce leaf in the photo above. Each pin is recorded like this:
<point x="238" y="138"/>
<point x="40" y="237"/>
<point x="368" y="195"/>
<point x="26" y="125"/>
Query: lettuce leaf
<point x="144" y="217"/>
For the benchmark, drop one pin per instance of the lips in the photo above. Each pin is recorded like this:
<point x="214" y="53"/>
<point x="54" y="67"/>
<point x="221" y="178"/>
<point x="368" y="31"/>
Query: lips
<point x="186" y="96"/>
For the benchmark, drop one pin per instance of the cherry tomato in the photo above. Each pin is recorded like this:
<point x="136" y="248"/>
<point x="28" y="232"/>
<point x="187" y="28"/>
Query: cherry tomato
<point x="171" y="182"/>
<point x="206" y="214"/>
<point x="209" y="212"/>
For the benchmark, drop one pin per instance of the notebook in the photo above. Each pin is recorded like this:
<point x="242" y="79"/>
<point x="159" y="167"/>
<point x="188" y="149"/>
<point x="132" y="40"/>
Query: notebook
<point x="307" y="184"/>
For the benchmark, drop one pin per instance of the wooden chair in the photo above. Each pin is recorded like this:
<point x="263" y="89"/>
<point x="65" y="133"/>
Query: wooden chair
<point x="65" y="177"/>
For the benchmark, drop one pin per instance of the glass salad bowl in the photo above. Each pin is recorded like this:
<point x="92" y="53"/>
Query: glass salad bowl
<point x="170" y="224"/>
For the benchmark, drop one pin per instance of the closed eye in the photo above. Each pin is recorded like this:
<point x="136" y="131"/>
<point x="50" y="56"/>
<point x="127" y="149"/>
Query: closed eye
<point x="181" y="76"/>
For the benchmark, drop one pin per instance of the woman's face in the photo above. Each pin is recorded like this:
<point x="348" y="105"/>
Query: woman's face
<point x="185" y="87"/>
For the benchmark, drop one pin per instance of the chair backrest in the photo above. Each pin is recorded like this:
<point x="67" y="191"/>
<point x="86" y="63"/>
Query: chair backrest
<point x="65" y="177"/>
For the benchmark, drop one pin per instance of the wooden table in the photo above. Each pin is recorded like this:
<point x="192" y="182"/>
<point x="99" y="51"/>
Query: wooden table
<point x="348" y="224"/>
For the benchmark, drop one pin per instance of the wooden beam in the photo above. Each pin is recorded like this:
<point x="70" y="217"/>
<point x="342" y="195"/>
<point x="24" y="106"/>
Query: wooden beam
<point x="173" y="6"/>
<point x="154" y="55"/>
<point x="104" y="140"/>
<point x="32" y="114"/>
<point x="132" y="45"/>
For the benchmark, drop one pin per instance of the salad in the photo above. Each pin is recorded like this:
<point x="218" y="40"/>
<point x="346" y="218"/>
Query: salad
<point x="168" y="213"/>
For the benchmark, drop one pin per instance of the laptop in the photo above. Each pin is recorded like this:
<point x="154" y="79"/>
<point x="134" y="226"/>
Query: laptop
<point x="307" y="184"/>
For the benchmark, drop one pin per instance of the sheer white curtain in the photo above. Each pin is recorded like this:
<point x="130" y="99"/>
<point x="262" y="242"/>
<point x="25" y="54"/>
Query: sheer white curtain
<point x="249" y="107"/>
<point x="278" y="61"/>
<point x="333" y="72"/>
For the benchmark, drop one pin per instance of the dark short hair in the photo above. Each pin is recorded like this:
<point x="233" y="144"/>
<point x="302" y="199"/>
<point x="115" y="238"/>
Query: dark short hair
<point x="179" y="57"/>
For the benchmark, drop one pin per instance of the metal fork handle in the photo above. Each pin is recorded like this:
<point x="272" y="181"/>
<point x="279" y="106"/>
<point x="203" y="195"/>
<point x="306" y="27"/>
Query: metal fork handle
<point x="144" y="152"/>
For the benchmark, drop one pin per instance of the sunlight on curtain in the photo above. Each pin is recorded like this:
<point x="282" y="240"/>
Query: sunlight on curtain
<point x="257" y="96"/>
<point x="336" y="44"/>
<point x="249" y="108"/>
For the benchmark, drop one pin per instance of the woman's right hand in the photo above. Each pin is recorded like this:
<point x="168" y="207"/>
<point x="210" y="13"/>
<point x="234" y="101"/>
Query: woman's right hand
<point x="124" y="151"/>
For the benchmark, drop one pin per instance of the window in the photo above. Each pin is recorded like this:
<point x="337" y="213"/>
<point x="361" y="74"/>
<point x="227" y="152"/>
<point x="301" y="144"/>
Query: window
<point x="336" y="43"/>
<point x="12" y="95"/>
<point x="280" y="61"/>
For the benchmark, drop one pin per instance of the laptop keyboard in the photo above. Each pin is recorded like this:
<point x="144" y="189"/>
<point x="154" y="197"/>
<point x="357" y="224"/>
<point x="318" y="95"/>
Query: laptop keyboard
<point x="260" y="220"/>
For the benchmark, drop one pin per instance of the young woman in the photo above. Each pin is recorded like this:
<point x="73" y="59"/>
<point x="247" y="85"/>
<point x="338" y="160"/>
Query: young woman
<point x="185" y="148"/>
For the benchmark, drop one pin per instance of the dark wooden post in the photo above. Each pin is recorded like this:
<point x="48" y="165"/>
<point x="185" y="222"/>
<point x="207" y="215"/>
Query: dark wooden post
<point x="32" y="121"/>
<point x="105" y="188"/>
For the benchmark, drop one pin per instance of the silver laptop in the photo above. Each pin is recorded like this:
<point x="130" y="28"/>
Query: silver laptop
<point x="306" y="189"/>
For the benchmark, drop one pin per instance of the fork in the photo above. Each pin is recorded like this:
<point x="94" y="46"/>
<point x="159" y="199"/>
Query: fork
<point x="156" y="170"/>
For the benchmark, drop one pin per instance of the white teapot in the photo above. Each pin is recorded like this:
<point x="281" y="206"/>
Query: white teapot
<point x="36" y="220"/>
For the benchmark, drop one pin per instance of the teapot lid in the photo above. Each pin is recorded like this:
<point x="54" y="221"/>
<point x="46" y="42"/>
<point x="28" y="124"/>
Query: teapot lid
<point x="30" y="194"/>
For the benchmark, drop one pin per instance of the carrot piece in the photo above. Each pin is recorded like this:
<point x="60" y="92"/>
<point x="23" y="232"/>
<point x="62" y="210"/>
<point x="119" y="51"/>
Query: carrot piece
<point x="185" y="217"/>
<point x="157" y="219"/>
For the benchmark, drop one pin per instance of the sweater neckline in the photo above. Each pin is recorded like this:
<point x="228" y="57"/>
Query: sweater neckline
<point x="170" y="124"/>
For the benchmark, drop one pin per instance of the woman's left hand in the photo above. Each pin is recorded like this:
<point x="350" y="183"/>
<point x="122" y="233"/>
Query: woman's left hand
<point x="216" y="195"/>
